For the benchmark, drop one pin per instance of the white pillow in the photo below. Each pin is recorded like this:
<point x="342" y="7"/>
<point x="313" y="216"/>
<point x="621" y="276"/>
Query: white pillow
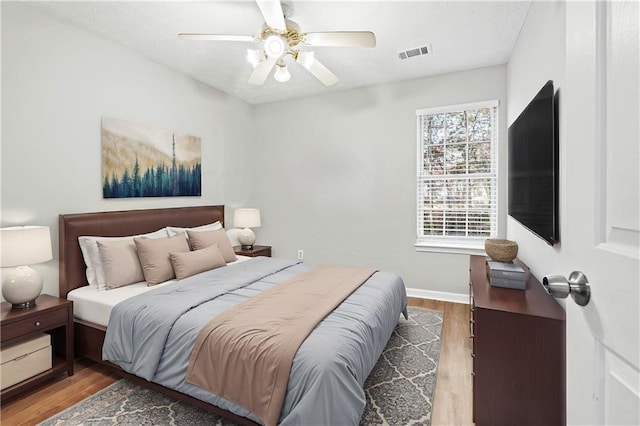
<point x="91" y="254"/>
<point x="173" y="230"/>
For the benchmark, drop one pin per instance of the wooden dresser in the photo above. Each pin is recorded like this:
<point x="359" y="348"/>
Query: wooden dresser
<point x="519" y="352"/>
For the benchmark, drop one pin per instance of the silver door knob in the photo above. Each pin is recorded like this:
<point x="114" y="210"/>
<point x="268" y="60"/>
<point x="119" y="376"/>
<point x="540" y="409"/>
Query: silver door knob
<point x="576" y="285"/>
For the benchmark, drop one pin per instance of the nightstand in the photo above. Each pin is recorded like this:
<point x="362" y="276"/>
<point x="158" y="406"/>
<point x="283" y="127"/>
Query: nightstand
<point x="257" y="251"/>
<point x="50" y="315"/>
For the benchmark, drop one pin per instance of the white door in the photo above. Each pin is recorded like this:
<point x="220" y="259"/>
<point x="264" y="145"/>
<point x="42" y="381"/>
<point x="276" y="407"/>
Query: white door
<point x="599" y="106"/>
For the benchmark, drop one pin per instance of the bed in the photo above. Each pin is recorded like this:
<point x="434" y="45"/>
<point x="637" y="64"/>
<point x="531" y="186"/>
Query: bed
<point x="371" y="311"/>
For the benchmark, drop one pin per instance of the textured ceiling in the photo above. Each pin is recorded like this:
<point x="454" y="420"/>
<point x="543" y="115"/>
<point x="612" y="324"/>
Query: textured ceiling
<point x="463" y="35"/>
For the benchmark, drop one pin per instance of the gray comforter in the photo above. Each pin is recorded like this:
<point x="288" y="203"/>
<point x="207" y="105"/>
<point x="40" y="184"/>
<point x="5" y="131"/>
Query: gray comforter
<point x="151" y="335"/>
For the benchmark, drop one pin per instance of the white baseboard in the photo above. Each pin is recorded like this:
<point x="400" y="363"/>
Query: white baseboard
<point x="438" y="295"/>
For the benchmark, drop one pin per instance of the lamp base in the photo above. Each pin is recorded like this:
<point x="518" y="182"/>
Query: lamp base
<point x="246" y="237"/>
<point x="22" y="287"/>
<point x="24" y="305"/>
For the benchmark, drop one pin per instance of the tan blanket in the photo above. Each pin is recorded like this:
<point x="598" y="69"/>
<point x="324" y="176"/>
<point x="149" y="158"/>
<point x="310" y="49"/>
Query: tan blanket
<point x="245" y="354"/>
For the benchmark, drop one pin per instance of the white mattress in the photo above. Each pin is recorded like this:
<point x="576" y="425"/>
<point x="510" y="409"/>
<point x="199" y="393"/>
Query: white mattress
<point x="93" y="305"/>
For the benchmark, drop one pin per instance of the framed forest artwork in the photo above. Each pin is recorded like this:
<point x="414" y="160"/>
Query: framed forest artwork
<point x="145" y="161"/>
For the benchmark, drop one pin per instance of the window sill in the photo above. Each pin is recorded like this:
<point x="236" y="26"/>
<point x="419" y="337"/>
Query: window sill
<point x="451" y="247"/>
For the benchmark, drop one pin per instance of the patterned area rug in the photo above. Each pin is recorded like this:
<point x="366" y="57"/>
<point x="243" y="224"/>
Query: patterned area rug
<point x="399" y="390"/>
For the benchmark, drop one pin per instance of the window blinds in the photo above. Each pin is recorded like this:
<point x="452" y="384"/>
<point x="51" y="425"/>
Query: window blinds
<point x="457" y="172"/>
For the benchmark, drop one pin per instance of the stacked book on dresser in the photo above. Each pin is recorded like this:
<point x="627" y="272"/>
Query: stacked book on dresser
<point x="507" y="275"/>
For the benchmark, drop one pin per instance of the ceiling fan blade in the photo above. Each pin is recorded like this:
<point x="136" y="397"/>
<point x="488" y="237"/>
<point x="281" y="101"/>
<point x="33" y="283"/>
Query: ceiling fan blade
<point x="319" y="71"/>
<point x="341" y="39"/>
<point x="261" y="72"/>
<point x="272" y="13"/>
<point x="216" y="37"/>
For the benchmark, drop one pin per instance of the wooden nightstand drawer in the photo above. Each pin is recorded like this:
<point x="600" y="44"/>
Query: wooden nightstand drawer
<point x="25" y="358"/>
<point x="43" y="321"/>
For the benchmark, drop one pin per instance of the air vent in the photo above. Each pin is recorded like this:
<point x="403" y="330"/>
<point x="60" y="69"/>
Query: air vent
<point x="418" y="51"/>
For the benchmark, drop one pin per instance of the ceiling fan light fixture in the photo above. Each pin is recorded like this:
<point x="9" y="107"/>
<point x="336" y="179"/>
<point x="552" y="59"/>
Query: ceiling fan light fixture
<point x="282" y="73"/>
<point x="305" y="58"/>
<point x="281" y="37"/>
<point x="254" y="57"/>
<point x="275" y="46"/>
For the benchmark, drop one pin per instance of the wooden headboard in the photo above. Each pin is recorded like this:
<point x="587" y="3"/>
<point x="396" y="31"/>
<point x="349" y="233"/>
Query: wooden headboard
<point x="117" y="224"/>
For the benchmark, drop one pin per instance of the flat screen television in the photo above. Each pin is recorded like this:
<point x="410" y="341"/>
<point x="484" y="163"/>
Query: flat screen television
<point x="533" y="166"/>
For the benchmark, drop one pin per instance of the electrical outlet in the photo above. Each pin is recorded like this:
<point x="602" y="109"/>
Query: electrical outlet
<point x="300" y="254"/>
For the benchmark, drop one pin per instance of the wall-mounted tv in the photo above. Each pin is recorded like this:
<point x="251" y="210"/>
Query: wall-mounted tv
<point x="533" y="166"/>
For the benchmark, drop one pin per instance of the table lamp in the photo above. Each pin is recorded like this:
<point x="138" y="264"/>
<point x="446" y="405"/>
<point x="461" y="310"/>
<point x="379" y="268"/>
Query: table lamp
<point x="21" y="246"/>
<point x="246" y="218"/>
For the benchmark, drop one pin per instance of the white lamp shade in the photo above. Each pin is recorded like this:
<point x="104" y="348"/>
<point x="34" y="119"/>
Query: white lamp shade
<point x="25" y="245"/>
<point x="254" y="57"/>
<point x="246" y="218"/>
<point x="282" y="74"/>
<point x="275" y="46"/>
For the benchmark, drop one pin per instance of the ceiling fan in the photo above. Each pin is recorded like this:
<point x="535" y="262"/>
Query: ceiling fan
<point x="280" y="37"/>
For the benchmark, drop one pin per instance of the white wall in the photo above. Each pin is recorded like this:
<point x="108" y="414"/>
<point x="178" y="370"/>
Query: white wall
<point x="57" y="81"/>
<point x="335" y="175"/>
<point x="590" y="49"/>
<point x="539" y="56"/>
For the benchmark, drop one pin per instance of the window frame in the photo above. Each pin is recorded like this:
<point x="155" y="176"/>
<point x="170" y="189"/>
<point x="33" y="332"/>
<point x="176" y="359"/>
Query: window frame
<point x="456" y="244"/>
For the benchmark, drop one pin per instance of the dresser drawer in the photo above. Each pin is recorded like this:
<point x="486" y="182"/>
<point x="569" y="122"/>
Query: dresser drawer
<point x="472" y="308"/>
<point x="44" y="321"/>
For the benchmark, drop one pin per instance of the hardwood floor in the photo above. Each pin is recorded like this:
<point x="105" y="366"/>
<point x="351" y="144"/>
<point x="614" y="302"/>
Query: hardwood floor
<point x="454" y="386"/>
<point x="52" y="397"/>
<point x="452" y="404"/>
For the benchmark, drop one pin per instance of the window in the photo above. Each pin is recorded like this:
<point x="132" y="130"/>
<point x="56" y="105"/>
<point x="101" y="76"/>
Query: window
<point x="457" y="177"/>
